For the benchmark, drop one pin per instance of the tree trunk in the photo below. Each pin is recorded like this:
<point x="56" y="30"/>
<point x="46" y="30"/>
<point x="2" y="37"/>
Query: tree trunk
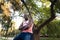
<point x="36" y="36"/>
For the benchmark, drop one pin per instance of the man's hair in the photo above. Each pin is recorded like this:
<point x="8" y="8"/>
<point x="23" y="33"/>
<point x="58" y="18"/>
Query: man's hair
<point x="26" y="16"/>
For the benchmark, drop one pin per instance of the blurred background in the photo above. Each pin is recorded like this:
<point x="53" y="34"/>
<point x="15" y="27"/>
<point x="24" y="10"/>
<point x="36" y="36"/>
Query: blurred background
<point x="11" y="12"/>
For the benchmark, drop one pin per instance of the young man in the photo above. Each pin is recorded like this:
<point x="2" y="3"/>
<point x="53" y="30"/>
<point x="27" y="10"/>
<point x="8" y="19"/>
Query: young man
<point x="26" y="29"/>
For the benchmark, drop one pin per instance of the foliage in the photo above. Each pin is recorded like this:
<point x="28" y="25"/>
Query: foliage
<point x="57" y="6"/>
<point x="53" y="27"/>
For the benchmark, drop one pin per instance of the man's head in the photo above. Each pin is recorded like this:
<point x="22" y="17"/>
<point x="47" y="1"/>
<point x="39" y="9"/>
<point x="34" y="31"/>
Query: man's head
<point x="26" y="16"/>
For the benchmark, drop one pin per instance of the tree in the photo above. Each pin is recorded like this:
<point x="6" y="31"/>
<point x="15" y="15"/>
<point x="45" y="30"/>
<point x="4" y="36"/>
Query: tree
<point x="6" y="20"/>
<point x="36" y="31"/>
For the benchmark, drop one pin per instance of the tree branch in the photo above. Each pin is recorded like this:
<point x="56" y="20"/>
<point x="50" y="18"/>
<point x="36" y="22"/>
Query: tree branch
<point x="26" y="6"/>
<point x="27" y="9"/>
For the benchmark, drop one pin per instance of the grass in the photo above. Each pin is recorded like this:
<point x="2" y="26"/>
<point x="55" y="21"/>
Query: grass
<point x="49" y="38"/>
<point x="42" y="38"/>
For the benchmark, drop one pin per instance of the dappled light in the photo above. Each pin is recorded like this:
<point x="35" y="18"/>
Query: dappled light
<point x="44" y="13"/>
